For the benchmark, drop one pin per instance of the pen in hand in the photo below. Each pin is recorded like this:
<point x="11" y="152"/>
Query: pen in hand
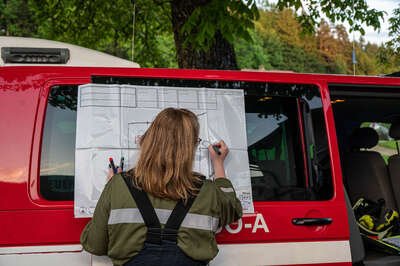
<point x="112" y="165"/>
<point x="216" y="149"/>
<point x="121" y="164"/>
<point x="218" y="159"/>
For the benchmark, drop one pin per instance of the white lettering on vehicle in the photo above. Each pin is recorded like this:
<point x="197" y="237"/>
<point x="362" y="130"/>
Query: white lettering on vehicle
<point x="259" y="223"/>
<point x="237" y="229"/>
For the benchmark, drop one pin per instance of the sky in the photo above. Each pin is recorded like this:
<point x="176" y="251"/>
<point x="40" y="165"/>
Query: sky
<point x="372" y="36"/>
<point x="383" y="36"/>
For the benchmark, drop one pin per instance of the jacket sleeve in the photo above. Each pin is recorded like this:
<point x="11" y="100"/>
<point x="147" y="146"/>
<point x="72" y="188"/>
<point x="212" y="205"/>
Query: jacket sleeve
<point x="229" y="205"/>
<point x="94" y="237"/>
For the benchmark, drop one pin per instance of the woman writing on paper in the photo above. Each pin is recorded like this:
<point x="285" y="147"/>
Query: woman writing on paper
<point x="161" y="212"/>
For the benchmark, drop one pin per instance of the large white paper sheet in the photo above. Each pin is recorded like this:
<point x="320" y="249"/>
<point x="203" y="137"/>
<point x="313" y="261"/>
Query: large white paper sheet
<point x="111" y="119"/>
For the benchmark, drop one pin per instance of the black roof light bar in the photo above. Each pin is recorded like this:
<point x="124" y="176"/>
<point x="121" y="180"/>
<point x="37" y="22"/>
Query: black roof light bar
<point x="24" y="55"/>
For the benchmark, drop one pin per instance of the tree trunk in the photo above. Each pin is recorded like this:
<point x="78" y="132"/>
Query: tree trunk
<point x="220" y="55"/>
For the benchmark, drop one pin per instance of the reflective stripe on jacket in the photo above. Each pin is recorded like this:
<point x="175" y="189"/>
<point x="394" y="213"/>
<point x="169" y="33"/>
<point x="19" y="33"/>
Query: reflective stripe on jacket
<point x="117" y="228"/>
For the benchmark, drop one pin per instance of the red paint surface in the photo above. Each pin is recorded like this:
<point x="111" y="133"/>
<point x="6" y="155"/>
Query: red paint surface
<point x="26" y="219"/>
<point x="325" y="264"/>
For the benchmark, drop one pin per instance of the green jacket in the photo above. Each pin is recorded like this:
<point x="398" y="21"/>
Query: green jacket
<point x="117" y="228"/>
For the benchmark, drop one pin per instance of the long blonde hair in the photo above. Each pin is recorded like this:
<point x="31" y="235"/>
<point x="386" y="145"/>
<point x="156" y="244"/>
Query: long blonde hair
<point x="167" y="151"/>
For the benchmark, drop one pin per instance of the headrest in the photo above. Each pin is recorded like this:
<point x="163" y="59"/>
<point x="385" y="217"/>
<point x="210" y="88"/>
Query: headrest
<point x="394" y="131"/>
<point x="364" y="137"/>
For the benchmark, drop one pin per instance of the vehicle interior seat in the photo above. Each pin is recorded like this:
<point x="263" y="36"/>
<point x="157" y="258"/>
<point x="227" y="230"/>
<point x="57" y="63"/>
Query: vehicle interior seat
<point x="358" y="254"/>
<point x="394" y="163"/>
<point x="365" y="172"/>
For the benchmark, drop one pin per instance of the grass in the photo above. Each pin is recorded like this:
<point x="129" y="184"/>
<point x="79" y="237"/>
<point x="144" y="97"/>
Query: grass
<point x="390" y="144"/>
<point x="386" y="158"/>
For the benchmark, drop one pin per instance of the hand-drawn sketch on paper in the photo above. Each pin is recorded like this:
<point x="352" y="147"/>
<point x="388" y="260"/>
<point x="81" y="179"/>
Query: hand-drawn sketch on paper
<point x="112" y="118"/>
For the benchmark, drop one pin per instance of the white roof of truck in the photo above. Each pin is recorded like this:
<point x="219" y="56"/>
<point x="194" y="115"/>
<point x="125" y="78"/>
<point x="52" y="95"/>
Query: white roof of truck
<point x="78" y="56"/>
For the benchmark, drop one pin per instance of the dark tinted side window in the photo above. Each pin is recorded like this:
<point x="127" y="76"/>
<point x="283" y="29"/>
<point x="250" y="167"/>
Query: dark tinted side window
<point x="58" y="145"/>
<point x="287" y="145"/>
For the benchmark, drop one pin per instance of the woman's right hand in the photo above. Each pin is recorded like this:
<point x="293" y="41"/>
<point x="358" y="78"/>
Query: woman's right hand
<point x="218" y="159"/>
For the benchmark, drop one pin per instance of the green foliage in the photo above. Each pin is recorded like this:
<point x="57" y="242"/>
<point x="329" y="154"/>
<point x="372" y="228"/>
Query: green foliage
<point x="272" y="38"/>
<point x="252" y="56"/>
<point x="389" y="58"/>
<point x="108" y="26"/>
<point x="230" y="17"/>
<point x="390" y="144"/>
<point x="16" y="18"/>
<point x="394" y="29"/>
<point x="154" y="39"/>
<point x="355" y="12"/>
<point x="101" y="25"/>
<point x="279" y="44"/>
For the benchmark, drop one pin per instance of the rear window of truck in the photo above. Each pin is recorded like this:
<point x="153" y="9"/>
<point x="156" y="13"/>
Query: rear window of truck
<point x="57" y="164"/>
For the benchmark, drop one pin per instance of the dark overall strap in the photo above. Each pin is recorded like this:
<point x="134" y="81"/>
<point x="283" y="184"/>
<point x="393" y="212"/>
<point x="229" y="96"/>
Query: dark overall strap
<point x="177" y="216"/>
<point x="155" y="234"/>
<point x="147" y="211"/>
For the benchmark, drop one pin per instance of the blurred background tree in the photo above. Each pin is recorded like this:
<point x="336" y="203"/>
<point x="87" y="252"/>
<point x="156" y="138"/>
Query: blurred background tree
<point x="16" y="18"/>
<point x="394" y="30"/>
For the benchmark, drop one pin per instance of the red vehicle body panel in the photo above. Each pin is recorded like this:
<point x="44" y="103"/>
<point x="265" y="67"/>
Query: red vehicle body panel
<point x="27" y="219"/>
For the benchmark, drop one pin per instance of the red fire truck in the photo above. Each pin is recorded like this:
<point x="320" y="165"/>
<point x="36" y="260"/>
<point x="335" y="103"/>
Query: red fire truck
<point x="307" y="166"/>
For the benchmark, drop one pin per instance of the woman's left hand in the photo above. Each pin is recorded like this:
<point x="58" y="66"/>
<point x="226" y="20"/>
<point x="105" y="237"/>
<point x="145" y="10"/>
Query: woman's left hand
<point x="110" y="173"/>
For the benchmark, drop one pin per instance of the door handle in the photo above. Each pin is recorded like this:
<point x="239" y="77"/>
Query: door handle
<point x="311" y="221"/>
